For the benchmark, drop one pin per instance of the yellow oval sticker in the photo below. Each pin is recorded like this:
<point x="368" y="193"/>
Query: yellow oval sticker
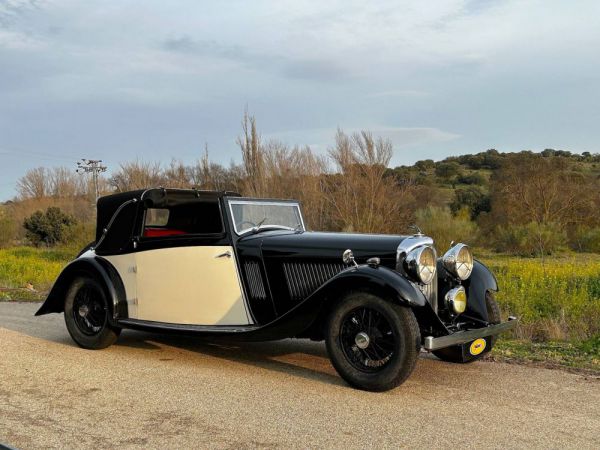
<point x="477" y="346"/>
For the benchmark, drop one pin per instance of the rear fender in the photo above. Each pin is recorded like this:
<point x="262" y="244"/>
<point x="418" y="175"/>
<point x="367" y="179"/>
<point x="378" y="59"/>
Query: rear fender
<point x="91" y="266"/>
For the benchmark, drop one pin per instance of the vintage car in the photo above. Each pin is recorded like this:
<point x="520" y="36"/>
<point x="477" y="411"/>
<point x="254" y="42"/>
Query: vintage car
<point x="215" y="263"/>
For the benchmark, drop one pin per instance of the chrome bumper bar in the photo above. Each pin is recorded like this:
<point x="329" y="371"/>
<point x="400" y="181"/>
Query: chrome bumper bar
<point x="461" y="337"/>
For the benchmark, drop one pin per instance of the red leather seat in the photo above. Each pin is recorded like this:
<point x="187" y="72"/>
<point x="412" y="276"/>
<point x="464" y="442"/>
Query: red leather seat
<point x="160" y="232"/>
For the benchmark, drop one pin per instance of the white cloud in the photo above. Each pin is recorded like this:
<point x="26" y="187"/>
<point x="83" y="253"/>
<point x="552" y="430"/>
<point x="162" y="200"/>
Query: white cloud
<point x="400" y="137"/>
<point x="123" y="77"/>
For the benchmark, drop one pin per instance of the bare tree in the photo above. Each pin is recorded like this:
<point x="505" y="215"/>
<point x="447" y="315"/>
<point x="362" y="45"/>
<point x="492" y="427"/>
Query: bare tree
<point x="64" y="182"/>
<point x="34" y="184"/>
<point x="363" y="199"/>
<point x="177" y="175"/>
<point x="253" y="158"/>
<point x="137" y="175"/>
<point x="529" y="189"/>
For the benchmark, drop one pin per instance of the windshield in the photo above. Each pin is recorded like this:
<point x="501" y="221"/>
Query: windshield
<point x="248" y="214"/>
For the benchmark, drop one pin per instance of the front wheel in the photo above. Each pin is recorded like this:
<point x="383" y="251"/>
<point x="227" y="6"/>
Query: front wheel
<point x="86" y="314"/>
<point x="373" y="344"/>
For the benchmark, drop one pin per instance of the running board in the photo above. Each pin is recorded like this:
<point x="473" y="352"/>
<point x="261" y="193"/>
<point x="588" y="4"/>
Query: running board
<point x="185" y="328"/>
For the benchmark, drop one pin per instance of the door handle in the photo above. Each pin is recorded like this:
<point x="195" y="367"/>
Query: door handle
<point x="224" y="254"/>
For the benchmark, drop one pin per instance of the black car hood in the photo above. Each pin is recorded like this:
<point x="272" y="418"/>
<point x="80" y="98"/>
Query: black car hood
<point x="320" y="245"/>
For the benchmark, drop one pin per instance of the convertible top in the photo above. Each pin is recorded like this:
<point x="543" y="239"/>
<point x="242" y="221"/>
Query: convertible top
<point x="129" y="201"/>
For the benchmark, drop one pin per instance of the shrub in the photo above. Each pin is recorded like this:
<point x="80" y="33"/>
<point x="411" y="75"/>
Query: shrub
<point x="586" y="240"/>
<point x="475" y="199"/>
<point x="443" y="227"/>
<point x="48" y="228"/>
<point x="7" y="228"/>
<point x="79" y="235"/>
<point x="447" y="170"/>
<point x="472" y="178"/>
<point x="530" y="239"/>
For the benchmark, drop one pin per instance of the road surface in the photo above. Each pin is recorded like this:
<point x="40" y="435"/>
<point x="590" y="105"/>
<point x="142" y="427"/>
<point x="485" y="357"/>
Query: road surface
<point x="151" y="391"/>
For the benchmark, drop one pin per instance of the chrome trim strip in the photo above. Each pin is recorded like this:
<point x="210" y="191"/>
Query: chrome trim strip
<point x="462" y="337"/>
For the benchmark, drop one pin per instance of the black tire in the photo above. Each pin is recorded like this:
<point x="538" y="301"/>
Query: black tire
<point x="454" y="354"/>
<point x="393" y="341"/>
<point x="86" y="314"/>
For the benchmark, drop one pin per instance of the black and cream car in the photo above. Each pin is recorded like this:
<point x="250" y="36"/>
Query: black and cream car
<point x="215" y="263"/>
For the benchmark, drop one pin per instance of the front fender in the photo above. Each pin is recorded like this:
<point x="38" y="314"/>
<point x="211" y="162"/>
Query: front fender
<point x="479" y="283"/>
<point x="90" y="266"/>
<point x="380" y="280"/>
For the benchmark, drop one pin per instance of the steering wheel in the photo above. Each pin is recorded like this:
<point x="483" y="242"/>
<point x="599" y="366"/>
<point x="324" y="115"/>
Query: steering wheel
<point x="240" y="225"/>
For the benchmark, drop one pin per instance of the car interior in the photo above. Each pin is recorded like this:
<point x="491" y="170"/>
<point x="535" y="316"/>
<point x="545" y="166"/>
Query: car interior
<point x="200" y="217"/>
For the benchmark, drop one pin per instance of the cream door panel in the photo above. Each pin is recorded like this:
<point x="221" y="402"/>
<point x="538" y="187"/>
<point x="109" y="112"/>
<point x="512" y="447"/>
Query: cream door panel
<point x="190" y="285"/>
<point x="126" y="267"/>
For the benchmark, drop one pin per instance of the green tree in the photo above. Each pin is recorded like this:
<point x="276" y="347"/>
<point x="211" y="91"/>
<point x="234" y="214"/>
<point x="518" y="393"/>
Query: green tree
<point x="474" y="198"/>
<point x="447" y="170"/>
<point x="48" y="228"/>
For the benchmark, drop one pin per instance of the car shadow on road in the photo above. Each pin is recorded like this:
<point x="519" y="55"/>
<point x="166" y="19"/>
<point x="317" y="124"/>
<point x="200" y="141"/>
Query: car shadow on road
<point x="300" y="358"/>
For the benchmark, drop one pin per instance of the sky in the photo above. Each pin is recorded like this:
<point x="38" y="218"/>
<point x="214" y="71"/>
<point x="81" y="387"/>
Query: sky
<point x="118" y="80"/>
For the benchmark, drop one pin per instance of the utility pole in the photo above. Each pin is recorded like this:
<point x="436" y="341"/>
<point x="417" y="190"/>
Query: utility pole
<point x="93" y="166"/>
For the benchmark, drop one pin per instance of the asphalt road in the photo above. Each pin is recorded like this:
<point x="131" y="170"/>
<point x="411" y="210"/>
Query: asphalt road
<point x="151" y="391"/>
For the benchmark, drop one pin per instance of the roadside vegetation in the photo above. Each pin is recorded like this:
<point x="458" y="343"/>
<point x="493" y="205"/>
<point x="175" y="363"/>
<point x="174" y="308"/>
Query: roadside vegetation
<point x="534" y="218"/>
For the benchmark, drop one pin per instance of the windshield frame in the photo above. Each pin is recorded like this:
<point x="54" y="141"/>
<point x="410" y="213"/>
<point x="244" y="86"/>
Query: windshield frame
<point x="267" y="202"/>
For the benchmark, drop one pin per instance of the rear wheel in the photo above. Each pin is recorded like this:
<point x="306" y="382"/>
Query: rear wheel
<point x="86" y="314"/>
<point x="454" y="354"/>
<point x="373" y="344"/>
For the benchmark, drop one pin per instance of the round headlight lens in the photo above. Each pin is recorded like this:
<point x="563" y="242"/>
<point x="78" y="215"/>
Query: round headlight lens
<point x="456" y="300"/>
<point x="421" y="264"/>
<point x="459" y="261"/>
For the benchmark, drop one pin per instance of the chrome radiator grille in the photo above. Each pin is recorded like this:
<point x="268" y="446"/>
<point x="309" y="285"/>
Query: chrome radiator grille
<point x="430" y="292"/>
<point x="255" y="282"/>
<point x="304" y="278"/>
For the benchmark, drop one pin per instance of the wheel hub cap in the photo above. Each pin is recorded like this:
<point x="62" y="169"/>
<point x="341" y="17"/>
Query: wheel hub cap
<point x="83" y="310"/>
<point x="362" y="340"/>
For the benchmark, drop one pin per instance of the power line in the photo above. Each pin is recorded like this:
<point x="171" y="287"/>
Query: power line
<point x="93" y="166"/>
<point x="19" y="152"/>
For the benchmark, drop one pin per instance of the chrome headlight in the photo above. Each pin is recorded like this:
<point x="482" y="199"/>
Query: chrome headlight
<point x="421" y="264"/>
<point x="459" y="261"/>
<point x="456" y="300"/>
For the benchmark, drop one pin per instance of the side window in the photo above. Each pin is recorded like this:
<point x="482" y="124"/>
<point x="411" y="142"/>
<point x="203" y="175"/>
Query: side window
<point x="157" y="217"/>
<point x="190" y="218"/>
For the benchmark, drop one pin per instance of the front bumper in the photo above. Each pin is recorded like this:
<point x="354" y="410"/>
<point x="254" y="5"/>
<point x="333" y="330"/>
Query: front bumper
<point x="462" y="337"/>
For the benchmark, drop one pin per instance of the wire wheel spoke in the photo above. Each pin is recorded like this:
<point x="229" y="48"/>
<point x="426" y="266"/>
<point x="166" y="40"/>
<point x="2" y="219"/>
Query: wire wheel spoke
<point x="367" y="339"/>
<point x="89" y="311"/>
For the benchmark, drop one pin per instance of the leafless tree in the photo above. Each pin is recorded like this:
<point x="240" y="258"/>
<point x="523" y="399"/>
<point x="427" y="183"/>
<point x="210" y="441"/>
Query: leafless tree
<point x="34" y="184"/>
<point x="252" y="157"/>
<point x="362" y="199"/>
<point x="137" y="175"/>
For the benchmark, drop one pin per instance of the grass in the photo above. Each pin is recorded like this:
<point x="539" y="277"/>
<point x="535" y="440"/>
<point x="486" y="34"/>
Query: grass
<point x="556" y="300"/>
<point x="23" y="266"/>
<point x="577" y="356"/>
